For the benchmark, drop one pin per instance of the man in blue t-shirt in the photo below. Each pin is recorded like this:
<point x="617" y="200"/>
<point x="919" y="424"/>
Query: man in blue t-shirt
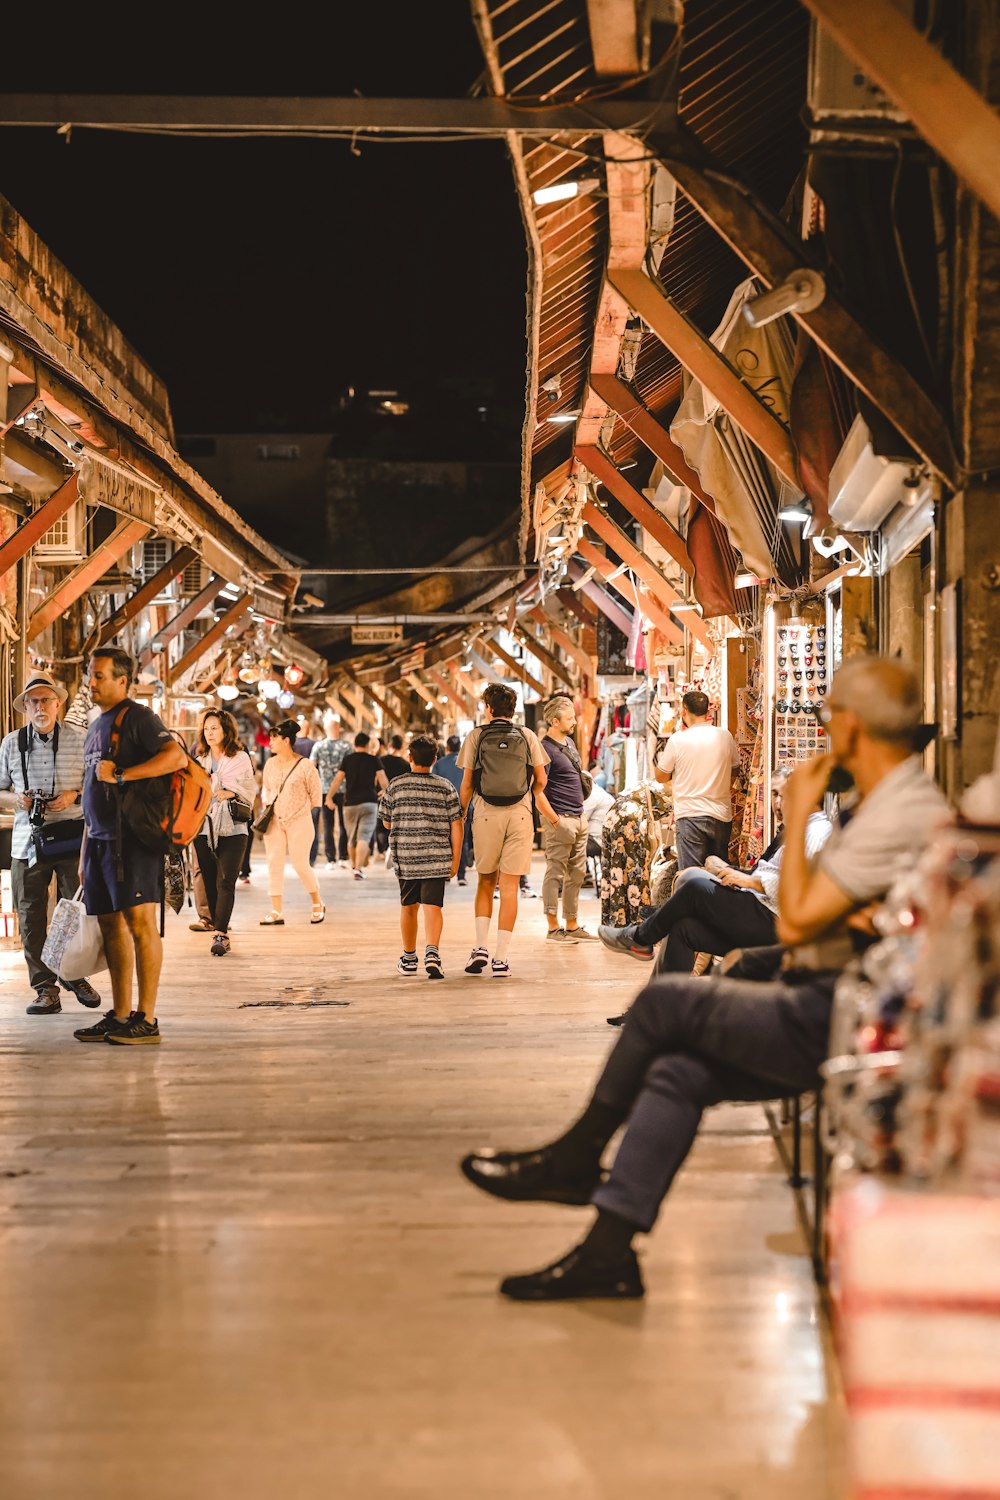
<point x="564" y="836"/>
<point x="123" y="896"/>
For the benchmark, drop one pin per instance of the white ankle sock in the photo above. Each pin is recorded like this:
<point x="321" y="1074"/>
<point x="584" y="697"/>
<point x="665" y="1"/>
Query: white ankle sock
<point x="503" y="945"/>
<point x="482" y="932"/>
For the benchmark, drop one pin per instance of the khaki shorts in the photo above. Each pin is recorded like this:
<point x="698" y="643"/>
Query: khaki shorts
<point x="502" y="838"/>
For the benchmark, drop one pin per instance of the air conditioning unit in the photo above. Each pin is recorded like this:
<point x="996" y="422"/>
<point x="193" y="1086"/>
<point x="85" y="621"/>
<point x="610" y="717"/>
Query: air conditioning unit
<point x="194" y="578"/>
<point x="66" y="540"/>
<point x="865" y="486"/>
<point x="838" y="90"/>
<point x="156" y="553"/>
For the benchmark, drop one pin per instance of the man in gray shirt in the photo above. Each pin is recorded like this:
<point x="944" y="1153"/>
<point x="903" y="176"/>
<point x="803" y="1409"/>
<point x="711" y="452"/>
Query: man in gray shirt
<point x="690" y="1043"/>
<point x="41" y="767"/>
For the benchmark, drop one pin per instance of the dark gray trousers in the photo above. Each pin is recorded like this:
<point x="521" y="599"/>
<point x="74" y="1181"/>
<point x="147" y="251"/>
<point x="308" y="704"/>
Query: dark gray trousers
<point x="690" y="1043"/>
<point x="30" y="885"/>
<point x="703" y="916"/>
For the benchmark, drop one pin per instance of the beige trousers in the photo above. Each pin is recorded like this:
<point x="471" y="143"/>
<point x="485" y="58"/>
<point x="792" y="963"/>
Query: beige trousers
<point x="565" y="848"/>
<point x="289" y="841"/>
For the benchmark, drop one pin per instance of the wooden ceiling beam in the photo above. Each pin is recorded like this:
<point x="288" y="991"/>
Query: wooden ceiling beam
<point x="609" y="607"/>
<point x="947" y="111"/>
<point x="124" y="536"/>
<point x="137" y="602"/>
<point x="637" y="505"/>
<point x="647" y="570"/>
<point x="188" y="612"/>
<point x="614" y="37"/>
<point x="516" y="667"/>
<point x="700" y="357"/>
<point x="626" y="404"/>
<point x="565" y="640"/>
<point x="35" y="527"/>
<point x="545" y="656"/>
<point x="423" y="690"/>
<point x="771" y="252"/>
<point x="647" y="604"/>
<point x="215" y="633"/>
<point x="584" y="609"/>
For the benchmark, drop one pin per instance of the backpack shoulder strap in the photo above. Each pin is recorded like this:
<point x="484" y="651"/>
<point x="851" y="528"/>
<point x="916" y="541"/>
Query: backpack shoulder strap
<point x="114" y="739"/>
<point x="22" y="749"/>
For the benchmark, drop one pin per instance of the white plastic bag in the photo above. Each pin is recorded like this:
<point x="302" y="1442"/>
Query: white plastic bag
<point x="74" y="947"/>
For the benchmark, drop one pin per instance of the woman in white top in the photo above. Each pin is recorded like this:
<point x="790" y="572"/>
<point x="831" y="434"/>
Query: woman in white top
<point x="291" y="785"/>
<point x="221" y="844"/>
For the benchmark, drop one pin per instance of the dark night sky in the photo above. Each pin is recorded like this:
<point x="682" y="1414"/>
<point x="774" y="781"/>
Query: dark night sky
<point x="265" y="276"/>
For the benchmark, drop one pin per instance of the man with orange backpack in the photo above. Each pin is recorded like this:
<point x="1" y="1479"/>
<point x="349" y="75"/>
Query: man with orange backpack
<point x="123" y="878"/>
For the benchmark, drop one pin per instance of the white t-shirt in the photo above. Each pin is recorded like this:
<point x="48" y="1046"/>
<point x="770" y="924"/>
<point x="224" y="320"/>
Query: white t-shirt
<point x="700" y="762"/>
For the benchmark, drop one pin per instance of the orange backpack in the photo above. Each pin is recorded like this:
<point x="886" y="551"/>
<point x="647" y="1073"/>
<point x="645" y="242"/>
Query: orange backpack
<point x="163" y="812"/>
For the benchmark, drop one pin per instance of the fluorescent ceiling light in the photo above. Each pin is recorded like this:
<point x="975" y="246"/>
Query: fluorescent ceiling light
<point x="744" y="581"/>
<point x="565" y="416"/>
<point x="561" y="192"/>
<point x="793" y="513"/>
<point x="683" y="605"/>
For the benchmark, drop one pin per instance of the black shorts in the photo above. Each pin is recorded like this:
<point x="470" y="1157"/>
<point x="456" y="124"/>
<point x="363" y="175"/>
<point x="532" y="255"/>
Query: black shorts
<point x="103" y="892"/>
<point x="421" y="892"/>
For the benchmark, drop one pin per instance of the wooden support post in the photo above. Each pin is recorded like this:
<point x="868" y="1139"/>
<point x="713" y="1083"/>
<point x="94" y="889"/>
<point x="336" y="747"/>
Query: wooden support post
<point x="390" y="713"/>
<point x="462" y="677"/>
<point x="35" y="527"/>
<point x="190" y="611"/>
<point x="137" y="602"/>
<point x="356" y="694"/>
<point x="234" y="613"/>
<point x="451" y="691"/>
<point x="643" y="565"/>
<point x="545" y="656"/>
<point x="698" y="355"/>
<point x="616" y="394"/>
<point x="124" y="536"/>
<point x="516" y="667"/>
<point x="637" y="505"/>
<point x="345" y="709"/>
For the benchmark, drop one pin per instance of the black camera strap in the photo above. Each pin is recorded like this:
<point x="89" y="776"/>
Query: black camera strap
<point x="23" y="745"/>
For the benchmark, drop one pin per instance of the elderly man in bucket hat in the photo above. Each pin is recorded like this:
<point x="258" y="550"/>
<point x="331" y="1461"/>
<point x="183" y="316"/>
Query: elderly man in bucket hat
<point x="41" y="769"/>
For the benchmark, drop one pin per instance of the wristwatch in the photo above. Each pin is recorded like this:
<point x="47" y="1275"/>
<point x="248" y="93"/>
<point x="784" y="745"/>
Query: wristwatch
<point x="119" y="776"/>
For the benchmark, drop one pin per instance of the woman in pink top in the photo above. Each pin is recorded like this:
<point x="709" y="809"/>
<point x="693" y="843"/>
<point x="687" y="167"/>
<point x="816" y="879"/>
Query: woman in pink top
<point x="220" y="845"/>
<point x="291" y="784"/>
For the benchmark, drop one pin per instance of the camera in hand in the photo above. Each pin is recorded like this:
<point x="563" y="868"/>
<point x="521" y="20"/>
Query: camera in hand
<point x="36" y="813"/>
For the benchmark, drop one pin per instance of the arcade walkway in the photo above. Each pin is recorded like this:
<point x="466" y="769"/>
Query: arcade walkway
<point x="245" y="1264"/>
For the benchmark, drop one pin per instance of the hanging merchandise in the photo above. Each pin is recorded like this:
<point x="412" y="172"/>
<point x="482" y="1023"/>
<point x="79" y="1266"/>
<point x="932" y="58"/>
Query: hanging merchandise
<point x="800" y="683"/>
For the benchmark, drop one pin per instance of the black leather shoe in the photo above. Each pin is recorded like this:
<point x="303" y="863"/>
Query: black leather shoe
<point x="618" y="1020"/>
<point x="578" y="1275"/>
<point x="528" y="1177"/>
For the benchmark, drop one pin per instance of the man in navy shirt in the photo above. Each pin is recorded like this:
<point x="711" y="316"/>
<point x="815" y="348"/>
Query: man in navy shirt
<point x="564" y="836"/>
<point x="124" y="904"/>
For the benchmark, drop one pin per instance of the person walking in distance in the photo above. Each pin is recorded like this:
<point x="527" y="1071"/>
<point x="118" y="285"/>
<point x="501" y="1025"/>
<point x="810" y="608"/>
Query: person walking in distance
<point x="362" y="778"/>
<point x="220" y="846"/>
<point x="122" y="879"/>
<point x="424" y="818"/>
<point x="41" y="767"/>
<point x="393" y="763"/>
<point x="501" y="765"/>
<point x="328" y="755"/>
<point x="700" y="765"/>
<point x="291" y="786"/>
<point x="564" y="837"/>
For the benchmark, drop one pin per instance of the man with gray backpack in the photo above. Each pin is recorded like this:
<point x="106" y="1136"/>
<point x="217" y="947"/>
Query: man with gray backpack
<point x="502" y="766"/>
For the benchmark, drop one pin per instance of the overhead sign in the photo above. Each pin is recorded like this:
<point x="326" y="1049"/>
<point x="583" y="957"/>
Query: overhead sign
<point x="375" y="635"/>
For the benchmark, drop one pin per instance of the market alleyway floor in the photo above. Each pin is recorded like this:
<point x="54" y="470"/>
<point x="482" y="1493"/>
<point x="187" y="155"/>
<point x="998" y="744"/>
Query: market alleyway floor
<point x="245" y="1263"/>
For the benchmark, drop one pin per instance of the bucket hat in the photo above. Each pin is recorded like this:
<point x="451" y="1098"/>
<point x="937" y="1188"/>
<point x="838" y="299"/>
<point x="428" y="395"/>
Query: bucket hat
<point x="39" y="679"/>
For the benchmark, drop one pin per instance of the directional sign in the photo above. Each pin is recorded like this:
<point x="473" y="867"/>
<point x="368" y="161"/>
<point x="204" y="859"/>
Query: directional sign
<point x="375" y="635"/>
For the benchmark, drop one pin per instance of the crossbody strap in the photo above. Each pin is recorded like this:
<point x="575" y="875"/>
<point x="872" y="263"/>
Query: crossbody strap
<point x="22" y="745"/>
<point x="287" y="777"/>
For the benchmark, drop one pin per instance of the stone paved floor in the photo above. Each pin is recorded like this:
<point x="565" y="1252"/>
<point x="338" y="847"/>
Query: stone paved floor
<point x="245" y="1264"/>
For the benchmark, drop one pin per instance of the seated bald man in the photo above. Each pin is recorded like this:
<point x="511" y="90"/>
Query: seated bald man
<point x="690" y="1043"/>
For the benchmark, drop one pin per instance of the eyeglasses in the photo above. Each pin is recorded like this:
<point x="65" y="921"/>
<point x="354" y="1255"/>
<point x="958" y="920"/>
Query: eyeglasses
<point x="49" y="701"/>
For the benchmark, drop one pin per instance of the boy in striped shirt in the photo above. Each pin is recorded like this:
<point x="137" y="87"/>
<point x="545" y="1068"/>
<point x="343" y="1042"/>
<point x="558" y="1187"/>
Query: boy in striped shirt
<point x="424" y="817"/>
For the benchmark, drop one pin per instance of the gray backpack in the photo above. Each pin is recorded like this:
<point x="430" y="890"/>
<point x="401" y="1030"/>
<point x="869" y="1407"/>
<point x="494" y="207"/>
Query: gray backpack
<point x="501" y="771"/>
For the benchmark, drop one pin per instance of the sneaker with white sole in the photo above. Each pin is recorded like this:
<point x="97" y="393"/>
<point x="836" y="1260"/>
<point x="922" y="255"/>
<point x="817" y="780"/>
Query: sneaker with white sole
<point x="500" y="968"/>
<point x="478" y="959"/>
<point x="406" y="963"/>
<point x="432" y="964"/>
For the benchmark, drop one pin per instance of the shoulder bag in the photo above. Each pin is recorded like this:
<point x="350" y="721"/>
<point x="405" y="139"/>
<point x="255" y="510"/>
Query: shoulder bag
<point x="63" y="838"/>
<point x="263" y="822"/>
